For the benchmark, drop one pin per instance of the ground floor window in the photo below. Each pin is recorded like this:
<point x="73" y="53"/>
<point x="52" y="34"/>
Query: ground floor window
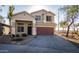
<point x="20" y="29"/>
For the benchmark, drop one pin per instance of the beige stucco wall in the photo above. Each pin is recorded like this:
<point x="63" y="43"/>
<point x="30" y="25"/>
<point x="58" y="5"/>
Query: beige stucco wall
<point x="43" y="22"/>
<point x="45" y="14"/>
<point x="34" y="29"/>
<point x="6" y="30"/>
<point x="22" y="17"/>
<point x="45" y="25"/>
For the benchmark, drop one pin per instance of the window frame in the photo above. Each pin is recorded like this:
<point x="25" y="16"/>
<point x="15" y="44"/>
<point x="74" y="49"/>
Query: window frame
<point x="38" y="18"/>
<point x="19" y="27"/>
<point x="49" y="19"/>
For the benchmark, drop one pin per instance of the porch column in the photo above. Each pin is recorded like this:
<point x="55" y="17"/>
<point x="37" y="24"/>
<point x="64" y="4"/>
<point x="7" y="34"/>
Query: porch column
<point x="13" y="26"/>
<point x="34" y="28"/>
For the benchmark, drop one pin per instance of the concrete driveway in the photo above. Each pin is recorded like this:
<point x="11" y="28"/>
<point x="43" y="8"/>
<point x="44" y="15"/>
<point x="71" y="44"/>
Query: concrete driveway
<point x="40" y="44"/>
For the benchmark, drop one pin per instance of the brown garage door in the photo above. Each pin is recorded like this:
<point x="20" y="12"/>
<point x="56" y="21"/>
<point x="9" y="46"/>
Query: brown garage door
<point x="45" y="31"/>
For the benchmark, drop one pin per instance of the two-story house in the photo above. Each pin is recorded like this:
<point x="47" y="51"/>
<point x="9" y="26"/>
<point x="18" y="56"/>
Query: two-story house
<point x="37" y="23"/>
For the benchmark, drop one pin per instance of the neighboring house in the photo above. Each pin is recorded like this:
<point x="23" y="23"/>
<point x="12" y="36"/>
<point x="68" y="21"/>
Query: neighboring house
<point x="4" y="29"/>
<point x="37" y="23"/>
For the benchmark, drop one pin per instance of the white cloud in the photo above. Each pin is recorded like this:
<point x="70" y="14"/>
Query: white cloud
<point x="37" y="7"/>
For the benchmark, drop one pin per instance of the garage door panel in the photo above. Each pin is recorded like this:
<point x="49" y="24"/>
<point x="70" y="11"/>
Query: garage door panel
<point x="44" y="31"/>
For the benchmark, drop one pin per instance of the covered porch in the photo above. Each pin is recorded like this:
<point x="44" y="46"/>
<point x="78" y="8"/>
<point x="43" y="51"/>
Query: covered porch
<point x="24" y="27"/>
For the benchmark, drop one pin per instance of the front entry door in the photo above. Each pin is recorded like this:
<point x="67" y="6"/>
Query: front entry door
<point x="29" y="30"/>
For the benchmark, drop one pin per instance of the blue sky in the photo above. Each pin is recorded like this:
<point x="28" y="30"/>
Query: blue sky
<point x="32" y="8"/>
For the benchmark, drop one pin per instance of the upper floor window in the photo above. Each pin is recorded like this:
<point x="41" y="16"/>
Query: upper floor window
<point x="48" y="18"/>
<point x="38" y="18"/>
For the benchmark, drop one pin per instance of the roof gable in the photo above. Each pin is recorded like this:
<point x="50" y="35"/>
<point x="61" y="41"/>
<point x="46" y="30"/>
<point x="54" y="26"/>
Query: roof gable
<point x="43" y="10"/>
<point x="23" y="12"/>
<point x="23" y="16"/>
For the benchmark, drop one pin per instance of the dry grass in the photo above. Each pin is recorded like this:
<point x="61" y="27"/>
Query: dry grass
<point x="71" y="35"/>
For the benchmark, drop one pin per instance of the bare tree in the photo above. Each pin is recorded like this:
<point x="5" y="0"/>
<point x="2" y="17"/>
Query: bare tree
<point x="71" y="14"/>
